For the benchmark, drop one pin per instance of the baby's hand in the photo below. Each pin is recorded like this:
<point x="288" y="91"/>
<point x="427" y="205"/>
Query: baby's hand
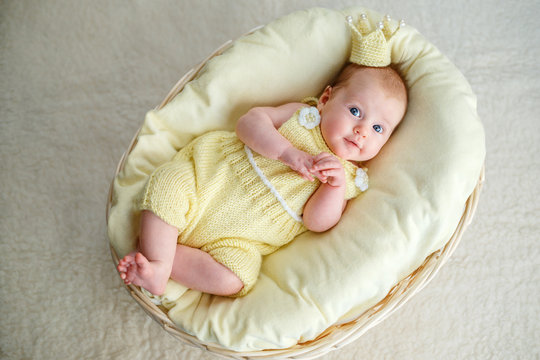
<point x="328" y="169"/>
<point x="299" y="161"/>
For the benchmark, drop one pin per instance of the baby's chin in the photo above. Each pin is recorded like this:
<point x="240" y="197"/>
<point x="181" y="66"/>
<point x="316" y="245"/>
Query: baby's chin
<point x="353" y="161"/>
<point x="358" y="162"/>
<point x="347" y="158"/>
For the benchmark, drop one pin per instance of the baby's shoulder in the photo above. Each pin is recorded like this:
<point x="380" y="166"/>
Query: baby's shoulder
<point x="277" y="114"/>
<point x="291" y="109"/>
<point x="286" y="111"/>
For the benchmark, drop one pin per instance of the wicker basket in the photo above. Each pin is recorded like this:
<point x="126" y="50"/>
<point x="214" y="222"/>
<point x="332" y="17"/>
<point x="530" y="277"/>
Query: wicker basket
<point x="335" y="336"/>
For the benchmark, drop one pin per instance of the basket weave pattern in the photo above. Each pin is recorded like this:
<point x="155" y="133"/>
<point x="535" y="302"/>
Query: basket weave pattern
<point x="335" y="336"/>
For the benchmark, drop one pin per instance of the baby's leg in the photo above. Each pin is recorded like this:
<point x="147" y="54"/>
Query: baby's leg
<point x="151" y="266"/>
<point x="198" y="270"/>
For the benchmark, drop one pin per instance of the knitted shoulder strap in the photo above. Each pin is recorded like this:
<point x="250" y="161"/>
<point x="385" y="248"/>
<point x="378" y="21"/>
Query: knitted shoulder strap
<point x="311" y="100"/>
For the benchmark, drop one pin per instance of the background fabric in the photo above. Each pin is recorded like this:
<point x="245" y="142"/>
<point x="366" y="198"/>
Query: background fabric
<point x="76" y="81"/>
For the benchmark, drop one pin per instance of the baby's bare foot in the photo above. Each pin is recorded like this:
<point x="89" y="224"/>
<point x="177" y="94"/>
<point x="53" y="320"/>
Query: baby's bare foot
<point x="135" y="269"/>
<point x="123" y="266"/>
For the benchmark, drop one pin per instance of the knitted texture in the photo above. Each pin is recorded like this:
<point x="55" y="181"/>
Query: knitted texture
<point x="213" y="195"/>
<point x="371" y="48"/>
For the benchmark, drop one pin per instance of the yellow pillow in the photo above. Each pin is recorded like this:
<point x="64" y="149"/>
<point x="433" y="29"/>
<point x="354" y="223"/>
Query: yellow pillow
<point x="418" y="184"/>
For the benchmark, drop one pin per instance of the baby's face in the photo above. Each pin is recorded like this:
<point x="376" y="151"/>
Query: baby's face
<point x="358" y="118"/>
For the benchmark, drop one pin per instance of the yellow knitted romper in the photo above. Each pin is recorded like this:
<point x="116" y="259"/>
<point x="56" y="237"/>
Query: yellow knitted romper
<point x="233" y="203"/>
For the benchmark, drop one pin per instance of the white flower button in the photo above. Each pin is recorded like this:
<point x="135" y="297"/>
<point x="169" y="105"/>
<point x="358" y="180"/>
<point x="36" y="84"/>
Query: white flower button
<point x="361" y="180"/>
<point x="309" y="117"/>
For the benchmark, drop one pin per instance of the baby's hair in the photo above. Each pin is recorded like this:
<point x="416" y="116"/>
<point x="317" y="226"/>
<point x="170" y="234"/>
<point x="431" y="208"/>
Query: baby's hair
<point x="388" y="77"/>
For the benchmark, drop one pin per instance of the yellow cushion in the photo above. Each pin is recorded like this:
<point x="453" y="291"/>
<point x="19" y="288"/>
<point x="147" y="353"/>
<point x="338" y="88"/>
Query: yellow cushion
<point x="418" y="184"/>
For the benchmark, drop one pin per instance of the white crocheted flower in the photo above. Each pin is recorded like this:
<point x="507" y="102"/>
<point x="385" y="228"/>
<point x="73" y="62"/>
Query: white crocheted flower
<point x="361" y="180"/>
<point x="309" y="117"/>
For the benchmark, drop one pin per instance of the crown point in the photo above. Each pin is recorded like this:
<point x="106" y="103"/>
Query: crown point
<point x="349" y="19"/>
<point x="371" y="43"/>
<point x="402" y="23"/>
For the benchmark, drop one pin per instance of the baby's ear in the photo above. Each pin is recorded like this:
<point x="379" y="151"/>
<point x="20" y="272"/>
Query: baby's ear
<point x="324" y="97"/>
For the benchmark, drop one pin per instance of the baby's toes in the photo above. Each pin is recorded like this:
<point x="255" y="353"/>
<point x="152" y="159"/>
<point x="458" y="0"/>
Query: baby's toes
<point x="123" y="262"/>
<point x="129" y="276"/>
<point x="141" y="261"/>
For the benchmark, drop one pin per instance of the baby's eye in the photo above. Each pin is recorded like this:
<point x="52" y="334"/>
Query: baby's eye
<point x="355" y="111"/>
<point x="378" y="128"/>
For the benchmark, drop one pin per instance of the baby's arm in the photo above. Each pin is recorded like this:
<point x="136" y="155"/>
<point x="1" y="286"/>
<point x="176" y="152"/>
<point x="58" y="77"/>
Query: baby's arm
<point x="258" y="130"/>
<point x="324" y="208"/>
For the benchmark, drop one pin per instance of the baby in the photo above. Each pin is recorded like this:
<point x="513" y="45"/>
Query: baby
<point x="226" y="199"/>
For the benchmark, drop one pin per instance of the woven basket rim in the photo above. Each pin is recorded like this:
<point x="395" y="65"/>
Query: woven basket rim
<point x="337" y="335"/>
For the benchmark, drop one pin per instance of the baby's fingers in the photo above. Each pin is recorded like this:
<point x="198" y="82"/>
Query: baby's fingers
<point x="331" y="172"/>
<point x="321" y="156"/>
<point x="319" y="176"/>
<point x="326" y="163"/>
<point x="304" y="173"/>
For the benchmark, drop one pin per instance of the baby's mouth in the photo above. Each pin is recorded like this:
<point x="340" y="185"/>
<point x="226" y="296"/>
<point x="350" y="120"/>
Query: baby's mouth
<point x="354" y="143"/>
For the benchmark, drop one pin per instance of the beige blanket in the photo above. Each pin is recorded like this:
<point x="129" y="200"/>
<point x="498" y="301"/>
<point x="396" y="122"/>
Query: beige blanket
<point x="76" y="80"/>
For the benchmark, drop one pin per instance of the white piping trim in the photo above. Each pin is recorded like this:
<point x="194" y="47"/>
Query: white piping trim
<point x="269" y="185"/>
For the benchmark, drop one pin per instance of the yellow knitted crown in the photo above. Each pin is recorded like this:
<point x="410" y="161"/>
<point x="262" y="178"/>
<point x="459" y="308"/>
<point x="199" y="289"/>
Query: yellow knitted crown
<point x="371" y="48"/>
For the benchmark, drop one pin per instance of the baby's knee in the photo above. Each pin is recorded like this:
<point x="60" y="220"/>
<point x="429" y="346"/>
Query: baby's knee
<point x="243" y="260"/>
<point x="231" y="285"/>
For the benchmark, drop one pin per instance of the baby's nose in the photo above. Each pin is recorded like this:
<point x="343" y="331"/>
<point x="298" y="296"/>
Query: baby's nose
<point x="360" y="131"/>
